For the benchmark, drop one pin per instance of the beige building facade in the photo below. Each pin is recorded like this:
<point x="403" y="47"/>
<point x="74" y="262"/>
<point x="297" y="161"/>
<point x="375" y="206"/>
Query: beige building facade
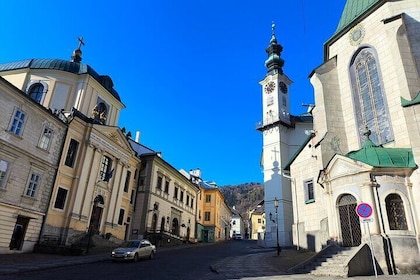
<point x="166" y="206"/>
<point x="96" y="180"/>
<point x="31" y="140"/>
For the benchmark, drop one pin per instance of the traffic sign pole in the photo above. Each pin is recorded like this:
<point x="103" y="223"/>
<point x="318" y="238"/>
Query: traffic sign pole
<point x="364" y="210"/>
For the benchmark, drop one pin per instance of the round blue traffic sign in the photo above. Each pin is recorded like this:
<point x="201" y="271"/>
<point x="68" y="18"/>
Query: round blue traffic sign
<point x="364" y="210"/>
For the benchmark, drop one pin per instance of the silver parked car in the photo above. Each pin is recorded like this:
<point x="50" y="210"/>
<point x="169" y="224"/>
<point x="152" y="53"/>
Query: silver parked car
<point x="134" y="250"/>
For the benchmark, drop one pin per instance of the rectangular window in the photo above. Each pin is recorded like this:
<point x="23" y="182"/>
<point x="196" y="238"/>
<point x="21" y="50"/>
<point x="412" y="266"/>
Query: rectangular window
<point x="33" y="184"/>
<point x="188" y="200"/>
<point x="4" y="167"/>
<point x="207" y="216"/>
<point x="60" y="199"/>
<point x="309" y="191"/>
<point x="192" y="202"/>
<point x="132" y="197"/>
<point x="167" y="186"/>
<point x="18" y="121"/>
<point x="159" y="183"/>
<point x="105" y="172"/>
<point x="176" y="193"/>
<point x="127" y="181"/>
<point x="71" y="153"/>
<point x="208" y="198"/>
<point x="259" y="221"/>
<point x="46" y="137"/>
<point x="121" y="217"/>
<point x="181" y="196"/>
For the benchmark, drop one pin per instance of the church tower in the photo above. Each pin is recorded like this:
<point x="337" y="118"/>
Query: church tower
<point x="282" y="136"/>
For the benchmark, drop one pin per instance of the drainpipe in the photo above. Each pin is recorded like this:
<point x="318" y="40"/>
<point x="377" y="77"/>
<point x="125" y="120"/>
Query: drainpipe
<point x="413" y="214"/>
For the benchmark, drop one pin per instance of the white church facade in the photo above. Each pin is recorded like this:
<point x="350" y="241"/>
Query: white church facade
<point x="364" y="148"/>
<point x="283" y="135"/>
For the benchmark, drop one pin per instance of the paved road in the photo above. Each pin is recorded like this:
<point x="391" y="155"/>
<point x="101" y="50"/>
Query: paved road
<point x="228" y="260"/>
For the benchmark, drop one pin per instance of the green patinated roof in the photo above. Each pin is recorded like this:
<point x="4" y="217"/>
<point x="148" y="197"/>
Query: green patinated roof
<point x="62" y="65"/>
<point x="407" y="103"/>
<point x="378" y="156"/>
<point x="352" y="10"/>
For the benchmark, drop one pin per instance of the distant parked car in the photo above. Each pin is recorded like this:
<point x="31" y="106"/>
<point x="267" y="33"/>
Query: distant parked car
<point x="237" y="236"/>
<point x="134" y="250"/>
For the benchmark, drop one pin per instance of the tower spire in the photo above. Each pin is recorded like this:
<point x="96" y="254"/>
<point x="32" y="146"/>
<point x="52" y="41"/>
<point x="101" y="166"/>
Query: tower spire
<point x="274" y="62"/>
<point x="77" y="53"/>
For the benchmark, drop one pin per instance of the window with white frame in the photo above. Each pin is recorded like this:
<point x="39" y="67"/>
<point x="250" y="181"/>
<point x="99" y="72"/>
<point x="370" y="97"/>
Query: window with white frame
<point x="18" y="122"/>
<point x="309" y="191"/>
<point x="176" y="188"/>
<point x="4" y="168"/>
<point x="105" y="172"/>
<point x="206" y="216"/>
<point x="46" y="137"/>
<point x="159" y="182"/>
<point x="33" y="184"/>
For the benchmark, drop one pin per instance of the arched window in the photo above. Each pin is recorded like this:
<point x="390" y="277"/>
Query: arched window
<point x="369" y="97"/>
<point x="396" y="213"/>
<point x="36" y="92"/>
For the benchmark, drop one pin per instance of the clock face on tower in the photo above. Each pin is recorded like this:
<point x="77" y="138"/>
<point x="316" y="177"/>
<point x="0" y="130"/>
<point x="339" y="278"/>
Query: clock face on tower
<point x="283" y="87"/>
<point x="269" y="88"/>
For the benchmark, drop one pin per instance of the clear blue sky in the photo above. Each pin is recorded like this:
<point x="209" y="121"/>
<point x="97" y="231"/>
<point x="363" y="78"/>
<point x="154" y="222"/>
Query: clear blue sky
<point x="187" y="71"/>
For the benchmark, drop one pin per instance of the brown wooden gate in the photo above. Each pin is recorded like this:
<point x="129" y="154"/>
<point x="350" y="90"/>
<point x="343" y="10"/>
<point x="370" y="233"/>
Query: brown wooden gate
<point x="351" y="234"/>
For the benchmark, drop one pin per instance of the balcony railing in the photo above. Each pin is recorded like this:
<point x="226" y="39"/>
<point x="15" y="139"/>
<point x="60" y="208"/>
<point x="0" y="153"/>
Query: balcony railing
<point x="273" y="119"/>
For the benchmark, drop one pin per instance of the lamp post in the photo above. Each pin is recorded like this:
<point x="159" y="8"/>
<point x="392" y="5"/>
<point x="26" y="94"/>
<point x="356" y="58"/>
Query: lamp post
<point x="276" y="206"/>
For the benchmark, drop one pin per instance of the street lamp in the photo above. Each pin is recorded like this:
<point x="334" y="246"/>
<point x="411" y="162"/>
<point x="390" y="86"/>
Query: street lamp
<point x="276" y="206"/>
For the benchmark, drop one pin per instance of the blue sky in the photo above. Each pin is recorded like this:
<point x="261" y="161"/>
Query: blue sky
<point x="187" y="71"/>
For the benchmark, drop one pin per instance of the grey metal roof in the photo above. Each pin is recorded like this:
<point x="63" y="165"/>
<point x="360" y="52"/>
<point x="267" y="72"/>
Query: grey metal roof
<point x="62" y="65"/>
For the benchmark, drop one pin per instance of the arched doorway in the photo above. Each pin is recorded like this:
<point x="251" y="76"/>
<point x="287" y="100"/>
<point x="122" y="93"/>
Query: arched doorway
<point x="351" y="234"/>
<point x="175" y="226"/>
<point x="95" y="219"/>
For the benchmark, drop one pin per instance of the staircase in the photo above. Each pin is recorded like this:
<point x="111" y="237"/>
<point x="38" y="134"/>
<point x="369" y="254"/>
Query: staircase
<point x="331" y="261"/>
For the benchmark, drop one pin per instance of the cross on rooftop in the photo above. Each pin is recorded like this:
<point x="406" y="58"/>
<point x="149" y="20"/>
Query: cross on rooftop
<point x="81" y="43"/>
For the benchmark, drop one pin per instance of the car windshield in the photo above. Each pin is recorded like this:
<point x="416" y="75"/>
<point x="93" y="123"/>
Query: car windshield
<point x="131" y="244"/>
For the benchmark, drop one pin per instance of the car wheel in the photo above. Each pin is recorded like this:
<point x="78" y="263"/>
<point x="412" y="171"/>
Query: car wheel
<point x="136" y="258"/>
<point x="152" y="255"/>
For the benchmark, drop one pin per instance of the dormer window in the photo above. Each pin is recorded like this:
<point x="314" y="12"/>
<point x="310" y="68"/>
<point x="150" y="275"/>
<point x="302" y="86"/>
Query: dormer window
<point x="37" y="90"/>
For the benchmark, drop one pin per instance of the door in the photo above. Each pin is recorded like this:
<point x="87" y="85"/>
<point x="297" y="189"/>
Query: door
<point x="18" y="235"/>
<point x="205" y="235"/>
<point x="351" y="234"/>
